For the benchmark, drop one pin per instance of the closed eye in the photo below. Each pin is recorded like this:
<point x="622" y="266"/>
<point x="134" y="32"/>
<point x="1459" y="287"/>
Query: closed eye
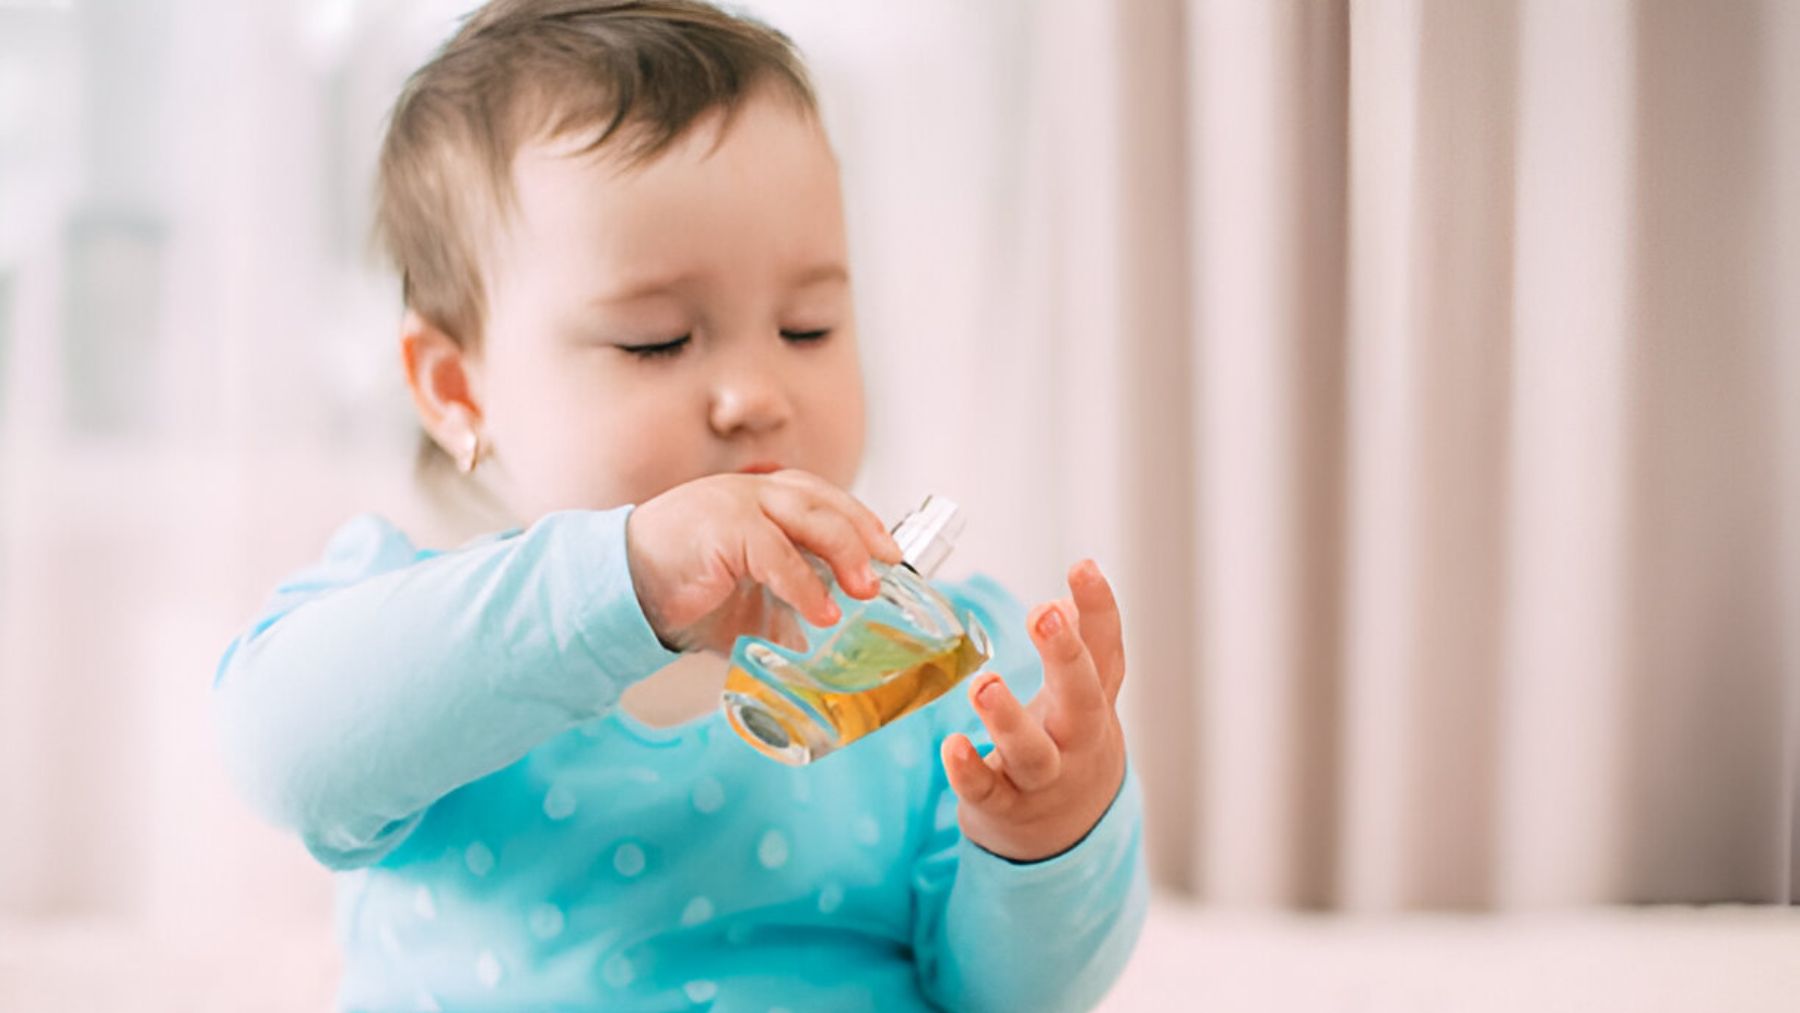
<point x="657" y="351"/>
<point x="803" y="337"/>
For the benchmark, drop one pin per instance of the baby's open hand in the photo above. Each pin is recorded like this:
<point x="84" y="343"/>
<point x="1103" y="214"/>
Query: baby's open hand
<point x="1057" y="762"/>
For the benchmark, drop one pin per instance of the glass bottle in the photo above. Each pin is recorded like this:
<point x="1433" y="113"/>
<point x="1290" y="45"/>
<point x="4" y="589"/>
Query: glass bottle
<point x="800" y="697"/>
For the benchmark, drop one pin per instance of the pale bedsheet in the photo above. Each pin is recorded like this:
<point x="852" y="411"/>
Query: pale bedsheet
<point x="1746" y="960"/>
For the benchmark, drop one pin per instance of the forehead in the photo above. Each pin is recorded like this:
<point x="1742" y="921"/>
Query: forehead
<point x="760" y="184"/>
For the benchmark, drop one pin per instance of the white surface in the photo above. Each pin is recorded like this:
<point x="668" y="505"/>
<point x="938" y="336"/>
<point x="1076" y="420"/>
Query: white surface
<point x="1646" y="960"/>
<point x="84" y="966"/>
<point x="1745" y="960"/>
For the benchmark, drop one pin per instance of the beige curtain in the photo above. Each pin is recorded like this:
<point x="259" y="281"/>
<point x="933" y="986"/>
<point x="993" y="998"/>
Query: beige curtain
<point x="1453" y="438"/>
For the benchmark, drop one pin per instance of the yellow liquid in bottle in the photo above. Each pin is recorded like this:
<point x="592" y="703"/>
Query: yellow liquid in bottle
<point x="770" y="720"/>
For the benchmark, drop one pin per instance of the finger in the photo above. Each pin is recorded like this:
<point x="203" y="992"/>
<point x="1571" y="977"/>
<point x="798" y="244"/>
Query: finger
<point x="868" y="524"/>
<point x="771" y="560"/>
<point x="1099" y="624"/>
<point x="818" y="527"/>
<point x="1031" y="759"/>
<point x="783" y="627"/>
<point x="1076" y="697"/>
<point x="974" y="781"/>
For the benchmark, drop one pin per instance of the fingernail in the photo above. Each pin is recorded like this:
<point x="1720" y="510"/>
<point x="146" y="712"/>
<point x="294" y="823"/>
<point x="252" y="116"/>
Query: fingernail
<point x="987" y="695"/>
<point x="1050" y="623"/>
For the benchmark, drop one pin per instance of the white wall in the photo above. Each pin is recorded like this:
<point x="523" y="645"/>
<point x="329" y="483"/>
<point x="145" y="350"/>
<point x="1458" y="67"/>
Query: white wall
<point x="198" y="378"/>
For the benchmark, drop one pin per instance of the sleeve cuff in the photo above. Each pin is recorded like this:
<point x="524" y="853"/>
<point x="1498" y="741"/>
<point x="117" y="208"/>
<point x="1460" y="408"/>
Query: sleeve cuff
<point x="610" y="631"/>
<point x="1108" y="838"/>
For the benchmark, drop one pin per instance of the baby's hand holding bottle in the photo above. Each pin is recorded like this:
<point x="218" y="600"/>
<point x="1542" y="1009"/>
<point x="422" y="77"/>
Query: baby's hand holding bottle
<point x="701" y="554"/>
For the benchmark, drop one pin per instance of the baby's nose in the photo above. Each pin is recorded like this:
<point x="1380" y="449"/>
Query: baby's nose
<point x="749" y="402"/>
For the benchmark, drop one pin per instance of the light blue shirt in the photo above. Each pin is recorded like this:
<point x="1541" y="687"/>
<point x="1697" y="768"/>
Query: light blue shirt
<point x="442" y="730"/>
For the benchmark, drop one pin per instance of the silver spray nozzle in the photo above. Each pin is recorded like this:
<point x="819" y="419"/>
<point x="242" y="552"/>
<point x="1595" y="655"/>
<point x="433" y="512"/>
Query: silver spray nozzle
<point x="927" y="535"/>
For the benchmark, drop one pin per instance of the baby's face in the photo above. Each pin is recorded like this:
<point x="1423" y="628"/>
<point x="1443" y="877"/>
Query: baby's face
<point x="725" y="269"/>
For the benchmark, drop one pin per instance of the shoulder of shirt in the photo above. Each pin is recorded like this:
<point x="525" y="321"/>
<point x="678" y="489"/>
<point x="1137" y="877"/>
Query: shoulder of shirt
<point x="369" y="543"/>
<point x="364" y="546"/>
<point x="983" y="593"/>
<point x="372" y="532"/>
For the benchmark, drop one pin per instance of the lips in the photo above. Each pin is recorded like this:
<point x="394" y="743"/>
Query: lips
<point x="760" y="467"/>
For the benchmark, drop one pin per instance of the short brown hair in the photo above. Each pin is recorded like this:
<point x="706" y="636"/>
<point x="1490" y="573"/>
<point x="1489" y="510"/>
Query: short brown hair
<point x="639" y="72"/>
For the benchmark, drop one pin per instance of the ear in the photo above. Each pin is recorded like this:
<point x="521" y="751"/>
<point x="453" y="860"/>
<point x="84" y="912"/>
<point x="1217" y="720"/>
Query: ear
<point x="444" y="383"/>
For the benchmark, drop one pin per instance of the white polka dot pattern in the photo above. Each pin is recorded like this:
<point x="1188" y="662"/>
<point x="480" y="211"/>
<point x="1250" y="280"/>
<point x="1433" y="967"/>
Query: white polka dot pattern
<point x="866" y="830"/>
<point x="559" y="803"/>
<point x="698" y="910"/>
<point x="772" y="850"/>
<point x="487" y="969"/>
<point x="709" y="795"/>
<point x="629" y="860"/>
<point x="618" y="972"/>
<point x="904" y="751"/>
<point x="546" y="921"/>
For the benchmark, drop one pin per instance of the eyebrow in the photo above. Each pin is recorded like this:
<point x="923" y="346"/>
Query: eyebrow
<point x="817" y="274"/>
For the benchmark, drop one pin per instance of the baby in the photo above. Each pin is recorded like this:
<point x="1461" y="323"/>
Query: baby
<point x="628" y="321"/>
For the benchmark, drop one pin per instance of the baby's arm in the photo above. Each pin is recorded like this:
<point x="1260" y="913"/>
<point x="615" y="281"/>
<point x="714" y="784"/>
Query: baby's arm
<point x="376" y="683"/>
<point x="993" y="934"/>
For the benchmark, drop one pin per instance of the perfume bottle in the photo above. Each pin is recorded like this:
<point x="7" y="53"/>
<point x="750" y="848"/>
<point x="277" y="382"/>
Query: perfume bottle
<point x="885" y="657"/>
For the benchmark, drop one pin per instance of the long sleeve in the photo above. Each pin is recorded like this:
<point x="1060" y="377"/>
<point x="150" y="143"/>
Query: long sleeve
<point x="993" y="934"/>
<point x="385" y="678"/>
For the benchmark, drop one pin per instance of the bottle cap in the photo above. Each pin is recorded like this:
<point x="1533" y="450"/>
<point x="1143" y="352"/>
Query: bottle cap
<point x="927" y="535"/>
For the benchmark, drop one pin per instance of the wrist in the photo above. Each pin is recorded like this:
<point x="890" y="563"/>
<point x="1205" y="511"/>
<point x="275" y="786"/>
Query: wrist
<point x="1030" y="844"/>
<point x="1118" y="821"/>
<point x="638" y="569"/>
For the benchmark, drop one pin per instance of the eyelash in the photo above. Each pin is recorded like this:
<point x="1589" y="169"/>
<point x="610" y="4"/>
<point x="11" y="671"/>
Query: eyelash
<point x="662" y="351"/>
<point x="669" y="348"/>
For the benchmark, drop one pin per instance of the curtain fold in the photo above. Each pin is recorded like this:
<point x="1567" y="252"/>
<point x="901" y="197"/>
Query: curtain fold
<point x="1489" y="595"/>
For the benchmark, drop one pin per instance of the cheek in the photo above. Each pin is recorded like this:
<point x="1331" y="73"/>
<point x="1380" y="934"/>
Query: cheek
<point x="635" y="477"/>
<point x="849" y="448"/>
<point x="841" y="422"/>
<point x="565" y="432"/>
<point x="617" y="444"/>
